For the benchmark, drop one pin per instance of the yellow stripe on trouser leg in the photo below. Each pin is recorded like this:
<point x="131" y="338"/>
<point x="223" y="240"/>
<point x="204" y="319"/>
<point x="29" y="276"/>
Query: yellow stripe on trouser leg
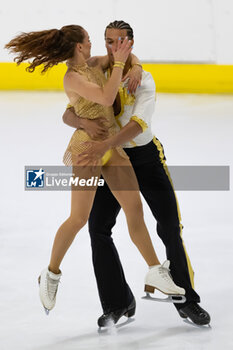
<point x="161" y="156"/>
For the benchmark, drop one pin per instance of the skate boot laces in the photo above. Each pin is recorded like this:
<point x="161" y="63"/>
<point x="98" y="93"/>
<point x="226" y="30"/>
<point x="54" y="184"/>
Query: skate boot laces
<point x="52" y="287"/>
<point x="197" y="310"/>
<point x="166" y="275"/>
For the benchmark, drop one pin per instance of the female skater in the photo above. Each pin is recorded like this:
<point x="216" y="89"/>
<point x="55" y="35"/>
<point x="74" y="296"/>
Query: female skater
<point x="91" y="96"/>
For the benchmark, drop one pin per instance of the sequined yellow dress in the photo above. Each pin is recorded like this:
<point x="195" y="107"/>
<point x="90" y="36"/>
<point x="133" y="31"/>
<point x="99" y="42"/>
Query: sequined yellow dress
<point x="90" y="110"/>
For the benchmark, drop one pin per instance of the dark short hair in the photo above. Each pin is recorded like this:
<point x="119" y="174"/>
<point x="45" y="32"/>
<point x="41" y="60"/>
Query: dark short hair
<point x="120" y="25"/>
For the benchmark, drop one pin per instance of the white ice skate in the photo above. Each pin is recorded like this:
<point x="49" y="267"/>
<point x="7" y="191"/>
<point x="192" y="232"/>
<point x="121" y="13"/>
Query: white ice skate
<point x="48" y="284"/>
<point x="159" y="277"/>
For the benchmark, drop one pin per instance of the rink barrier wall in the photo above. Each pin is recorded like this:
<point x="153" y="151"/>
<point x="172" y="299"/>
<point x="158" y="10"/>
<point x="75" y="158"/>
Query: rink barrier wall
<point x="183" y="78"/>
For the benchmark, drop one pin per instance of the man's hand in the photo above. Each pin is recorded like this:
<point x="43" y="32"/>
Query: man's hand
<point x="135" y="77"/>
<point x="95" y="151"/>
<point x="95" y="128"/>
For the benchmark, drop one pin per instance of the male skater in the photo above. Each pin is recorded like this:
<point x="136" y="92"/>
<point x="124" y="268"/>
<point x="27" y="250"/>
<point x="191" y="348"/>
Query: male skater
<point x="147" y="157"/>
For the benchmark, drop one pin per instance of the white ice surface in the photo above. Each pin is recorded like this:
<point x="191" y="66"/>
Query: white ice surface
<point x="195" y="130"/>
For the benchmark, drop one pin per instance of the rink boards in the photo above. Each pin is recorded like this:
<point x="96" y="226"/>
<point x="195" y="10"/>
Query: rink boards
<point x="184" y="78"/>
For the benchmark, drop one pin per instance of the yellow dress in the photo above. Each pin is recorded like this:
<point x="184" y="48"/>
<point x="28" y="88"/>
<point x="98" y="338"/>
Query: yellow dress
<point x="90" y="110"/>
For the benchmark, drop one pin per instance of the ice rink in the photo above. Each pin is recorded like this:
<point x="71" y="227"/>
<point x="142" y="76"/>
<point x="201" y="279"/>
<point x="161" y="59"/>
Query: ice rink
<point x="195" y="130"/>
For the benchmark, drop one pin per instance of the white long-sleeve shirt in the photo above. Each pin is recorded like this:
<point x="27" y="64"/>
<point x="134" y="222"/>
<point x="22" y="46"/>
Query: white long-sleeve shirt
<point x="139" y="107"/>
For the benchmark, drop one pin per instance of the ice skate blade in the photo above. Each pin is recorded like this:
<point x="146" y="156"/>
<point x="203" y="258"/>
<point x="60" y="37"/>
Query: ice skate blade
<point x="166" y="300"/>
<point x="106" y="329"/>
<point x="201" y="326"/>
<point x="46" y="311"/>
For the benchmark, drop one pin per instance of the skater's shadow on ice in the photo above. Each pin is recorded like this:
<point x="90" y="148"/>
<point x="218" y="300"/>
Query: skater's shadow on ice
<point x="125" y="338"/>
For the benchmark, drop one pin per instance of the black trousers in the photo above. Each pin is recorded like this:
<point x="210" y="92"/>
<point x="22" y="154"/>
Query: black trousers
<point x="155" y="185"/>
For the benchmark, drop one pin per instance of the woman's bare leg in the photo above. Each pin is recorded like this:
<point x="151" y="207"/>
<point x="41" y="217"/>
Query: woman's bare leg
<point x="81" y="204"/>
<point x="122" y="181"/>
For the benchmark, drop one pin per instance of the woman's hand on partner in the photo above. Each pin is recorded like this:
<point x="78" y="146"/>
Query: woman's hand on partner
<point x="123" y="50"/>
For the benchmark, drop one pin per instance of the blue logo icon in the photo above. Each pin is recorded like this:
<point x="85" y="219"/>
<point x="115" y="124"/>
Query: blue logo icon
<point x="35" y="178"/>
